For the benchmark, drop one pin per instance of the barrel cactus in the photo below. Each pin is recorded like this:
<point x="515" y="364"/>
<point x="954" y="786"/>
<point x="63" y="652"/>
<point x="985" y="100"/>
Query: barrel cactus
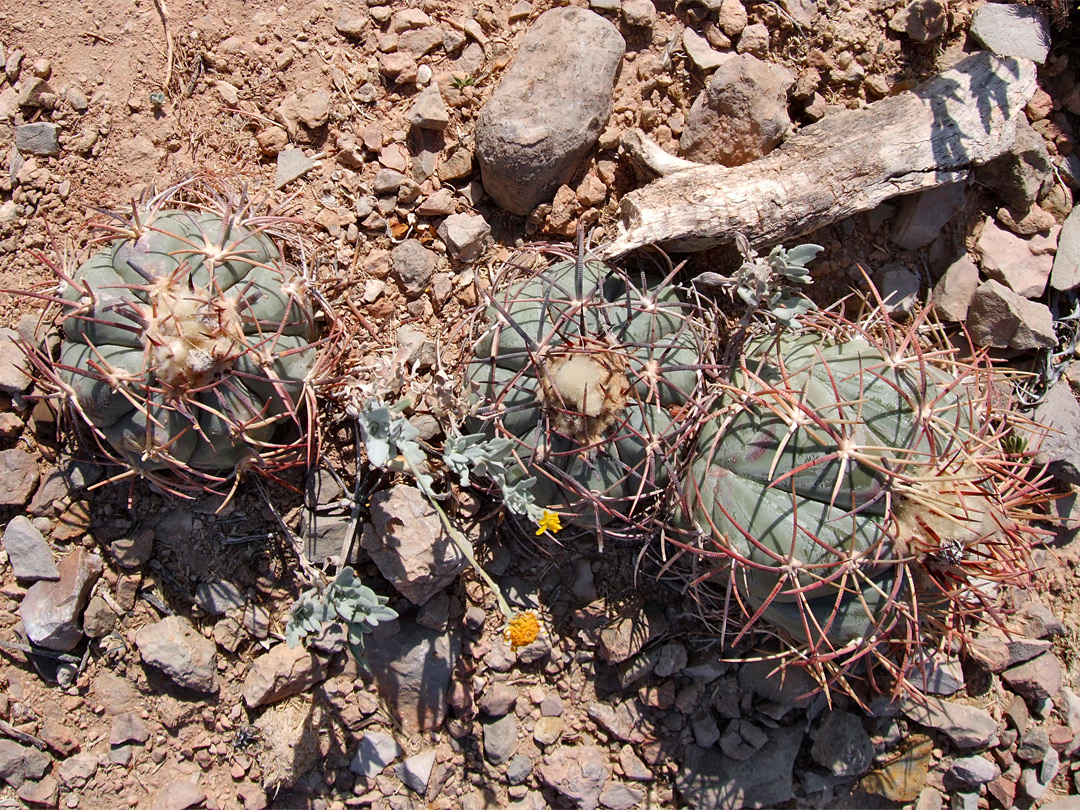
<point x="592" y="376"/>
<point x="188" y="342"/>
<point x="855" y="495"/>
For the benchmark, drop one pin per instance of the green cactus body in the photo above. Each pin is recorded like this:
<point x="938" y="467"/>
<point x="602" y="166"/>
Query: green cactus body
<point x="591" y="376"/>
<point x="831" y="468"/>
<point x="187" y="342"/>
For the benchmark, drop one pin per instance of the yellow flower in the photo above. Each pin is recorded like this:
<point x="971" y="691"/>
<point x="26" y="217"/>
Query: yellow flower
<point x="522" y="630"/>
<point x="549" y="522"/>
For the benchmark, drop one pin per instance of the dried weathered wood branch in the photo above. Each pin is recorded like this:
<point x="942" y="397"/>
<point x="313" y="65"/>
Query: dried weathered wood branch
<point x="848" y="162"/>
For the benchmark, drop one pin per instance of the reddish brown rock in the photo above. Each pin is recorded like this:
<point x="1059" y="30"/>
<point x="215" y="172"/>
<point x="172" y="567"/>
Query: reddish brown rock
<point x="52" y="611"/>
<point x="282" y="672"/>
<point x="18" y="477"/>
<point x="1036" y="679"/>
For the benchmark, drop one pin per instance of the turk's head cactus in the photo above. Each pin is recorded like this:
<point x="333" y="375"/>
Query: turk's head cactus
<point x="592" y="378"/>
<point x="189" y="344"/>
<point x="854" y="497"/>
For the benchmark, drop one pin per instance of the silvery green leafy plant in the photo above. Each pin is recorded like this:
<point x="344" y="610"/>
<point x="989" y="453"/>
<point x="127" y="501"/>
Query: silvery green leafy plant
<point x="765" y="283"/>
<point x="494" y="460"/>
<point x="391" y="443"/>
<point x="346" y="604"/>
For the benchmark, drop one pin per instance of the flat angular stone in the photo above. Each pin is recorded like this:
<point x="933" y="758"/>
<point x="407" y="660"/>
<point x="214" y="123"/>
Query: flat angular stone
<point x="52" y="611"/>
<point x="1037" y="679"/>
<point x="38" y="139"/>
<point x="920" y="217"/>
<point x="292" y="164"/>
<point x="578" y="773"/>
<point x="465" y="236"/>
<point x="429" y="110"/>
<point x="1008" y="29"/>
<point x="710" y="780"/>
<point x="1007" y="258"/>
<point x="967" y="726"/>
<point x="741" y="115"/>
<point x="1060" y="449"/>
<point x="175" y="647"/>
<point x="21" y="762"/>
<point x="1066" y="273"/>
<point x="1000" y="318"/>
<point x="375" y="752"/>
<point x="412" y="668"/>
<point x="282" y="672"/>
<point x="28" y="552"/>
<point x="550" y="107"/>
<point x="18" y="476"/>
<point x="955" y="289"/>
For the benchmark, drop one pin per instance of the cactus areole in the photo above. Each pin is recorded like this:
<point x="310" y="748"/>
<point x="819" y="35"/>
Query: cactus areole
<point x="590" y="374"/>
<point x="853" y="490"/>
<point x="187" y="343"/>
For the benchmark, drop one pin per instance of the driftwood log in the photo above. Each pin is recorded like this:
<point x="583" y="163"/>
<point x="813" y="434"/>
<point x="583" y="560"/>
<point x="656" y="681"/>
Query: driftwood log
<point x="848" y="162"/>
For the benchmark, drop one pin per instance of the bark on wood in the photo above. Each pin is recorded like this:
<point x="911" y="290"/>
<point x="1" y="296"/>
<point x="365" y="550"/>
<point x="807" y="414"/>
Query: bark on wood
<point x="848" y="162"/>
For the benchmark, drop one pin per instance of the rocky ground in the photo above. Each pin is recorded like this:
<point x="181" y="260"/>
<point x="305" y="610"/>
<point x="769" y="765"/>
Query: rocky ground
<point x="372" y="122"/>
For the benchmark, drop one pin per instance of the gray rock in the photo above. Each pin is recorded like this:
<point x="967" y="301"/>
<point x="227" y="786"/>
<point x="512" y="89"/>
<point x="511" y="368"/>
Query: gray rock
<point x="920" y="217"/>
<point x="731" y="15"/>
<point x="793" y="687"/>
<point x="625" y="636"/>
<point x="706" y="732"/>
<point x="741" y="115"/>
<point x="351" y="23"/>
<point x="34" y="91"/>
<point x="498" y="699"/>
<point x="967" y="726"/>
<point x="413" y="265"/>
<point x="710" y="780"/>
<point x="174" y="646"/>
<point x="1037" y="679"/>
<point x="577" y="772"/>
<point x="415" y="771"/>
<point x="19" y="762"/>
<point x="466" y="236"/>
<point x="639" y="13"/>
<point x="955" y="289"/>
<point x="429" y="110"/>
<point x="841" y="745"/>
<point x="1012" y="30"/>
<point x="1000" y="318"/>
<point x="14" y="378"/>
<point x="1007" y="258"/>
<point x="29" y="554"/>
<point x="701" y="53"/>
<point x="549" y="108"/>
<point x="973" y="771"/>
<point x="500" y="738"/>
<point x="412" y="668"/>
<point x="292" y="164"/>
<point x="52" y="611"/>
<point x="314" y="108"/>
<point x="898" y="288"/>
<point x="75" y="771"/>
<point x="387" y="181"/>
<point x="939" y="677"/>
<point x="18" y="476"/>
<point x="98" y="619"/>
<point x="518" y="769"/>
<point x="921" y="20"/>
<point x="128" y="727"/>
<point x="621" y="796"/>
<point x="1022" y="174"/>
<point x="218" y="597"/>
<point x="407" y="541"/>
<point x="1033" y="745"/>
<point x="673" y="658"/>
<point x="133" y="549"/>
<point x="754" y="39"/>
<point x="997" y="652"/>
<point x="1066" y="273"/>
<point x="375" y="752"/>
<point x="282" y="672"/>
<point x="1060" y="449"/>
